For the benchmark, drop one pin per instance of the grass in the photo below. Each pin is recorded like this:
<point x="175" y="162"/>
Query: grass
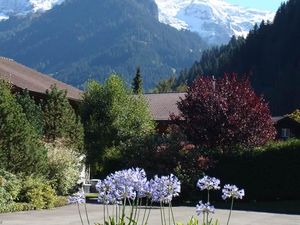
<point x="91" y="195"/>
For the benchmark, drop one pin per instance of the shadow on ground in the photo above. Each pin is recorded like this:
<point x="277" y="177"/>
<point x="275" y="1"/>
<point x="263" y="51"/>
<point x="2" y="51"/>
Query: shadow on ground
<point x="282" y="207"/>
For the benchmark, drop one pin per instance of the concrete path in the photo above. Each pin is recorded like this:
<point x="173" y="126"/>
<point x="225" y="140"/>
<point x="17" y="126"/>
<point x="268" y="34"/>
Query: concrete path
<point x="68" y="216"/>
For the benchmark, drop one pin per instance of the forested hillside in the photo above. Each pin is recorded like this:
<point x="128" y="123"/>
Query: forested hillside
<point x="83" y="39"/>
<point x="270" y="56"/>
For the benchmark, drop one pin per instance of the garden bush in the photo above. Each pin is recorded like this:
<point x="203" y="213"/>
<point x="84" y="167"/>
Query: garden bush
<point x="37" y="192"/>
<point x="64" y="167"/>
<point x="61" y="201"/>
<point x="270" y="172"/>
<point x="168" y="153"/>
<point x="16" y="207"/>
<point x="10" y="183"/>
<point x="9" y="189"/>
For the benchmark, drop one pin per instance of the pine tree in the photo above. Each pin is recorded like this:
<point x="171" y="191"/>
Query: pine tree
<point x="60" y="119"/>
<point x="137" y="83"/>
<point x="32" y="110"/>
<point x="20" y="148"/>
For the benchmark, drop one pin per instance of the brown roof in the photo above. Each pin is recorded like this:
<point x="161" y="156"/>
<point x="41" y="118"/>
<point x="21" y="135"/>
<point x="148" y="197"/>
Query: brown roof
<point x="26" y="78"/>
<point x="162" y="105"/>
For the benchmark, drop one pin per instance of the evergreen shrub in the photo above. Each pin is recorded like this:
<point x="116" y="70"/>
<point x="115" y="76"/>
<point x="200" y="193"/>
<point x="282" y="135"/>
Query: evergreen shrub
<point x="270" y="172"/>
<point x="38" y="192"/>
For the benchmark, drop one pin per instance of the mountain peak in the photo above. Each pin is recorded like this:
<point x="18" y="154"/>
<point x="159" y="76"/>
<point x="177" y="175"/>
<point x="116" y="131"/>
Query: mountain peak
<point x="214" y="20"/>
<point x="22" y="7"/>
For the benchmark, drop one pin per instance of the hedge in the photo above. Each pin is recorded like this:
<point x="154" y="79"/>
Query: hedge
<point x="267" y="173"/>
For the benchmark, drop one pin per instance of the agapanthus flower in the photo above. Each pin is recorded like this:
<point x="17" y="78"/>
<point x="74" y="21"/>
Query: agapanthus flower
<point x="232" y="191"/>
<point x="165" y="188"/>
<point x="124" y="184"/>
<point x="204" y="208"/>
<point x="106" y="191"/>
<point x="208" y="183"/>
<point x="138" y="180"/>
<point x="78" y="197"/>
<point x="145" y="190"/>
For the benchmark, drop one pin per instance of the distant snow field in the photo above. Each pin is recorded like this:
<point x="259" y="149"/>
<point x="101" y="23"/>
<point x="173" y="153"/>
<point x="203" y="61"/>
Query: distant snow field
<point x="214" y="20"/>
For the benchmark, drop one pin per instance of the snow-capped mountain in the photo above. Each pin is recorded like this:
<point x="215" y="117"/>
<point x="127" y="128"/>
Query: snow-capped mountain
<point x="214" y="20"/>
<point x="23" y="7"/>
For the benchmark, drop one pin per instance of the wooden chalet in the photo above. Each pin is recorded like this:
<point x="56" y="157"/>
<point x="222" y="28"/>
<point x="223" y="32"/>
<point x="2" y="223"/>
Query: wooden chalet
<point x="286" y="127"/>
<point x="164" y="104"/>
<point x="22" y="77"/>
<point x="161" y="106"/>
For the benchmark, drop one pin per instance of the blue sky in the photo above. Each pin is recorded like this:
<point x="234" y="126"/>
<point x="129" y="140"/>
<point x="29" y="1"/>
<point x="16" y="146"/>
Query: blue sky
<point x="270" y="5"/>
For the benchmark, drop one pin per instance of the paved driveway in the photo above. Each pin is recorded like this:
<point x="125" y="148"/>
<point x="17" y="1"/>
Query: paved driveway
<point x="68" y="216"/>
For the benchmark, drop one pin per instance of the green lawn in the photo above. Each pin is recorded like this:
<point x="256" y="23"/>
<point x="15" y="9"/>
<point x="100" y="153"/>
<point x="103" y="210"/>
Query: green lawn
<point x="91" y="195"/>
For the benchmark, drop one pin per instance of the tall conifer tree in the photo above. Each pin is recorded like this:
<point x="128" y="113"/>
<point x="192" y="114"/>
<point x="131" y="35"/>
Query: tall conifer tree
<point x="20" y="148"/>
<point x="60" y="119"/>
<point x="137" y="83"/>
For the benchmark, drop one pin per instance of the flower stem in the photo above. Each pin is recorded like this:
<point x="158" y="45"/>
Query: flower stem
<point x="139" y="210"/>
<point x="207" y="196"/>
<point x="131" y="213"/>
<point x="230" y="211"/>
<point x="207" y="218"/>
<point x="123" y="210"/>
<point x="80" y="214"/>
<point x="172" y="213"/>
<point x="104" y="219"/>
<point x="161" y="214"/>
<point x="163" y="209"/>
<point x="148" y="213"/>
<point x="169" y="214"/>
<point x="145" y="211"/>
<point x="86" y="214"/>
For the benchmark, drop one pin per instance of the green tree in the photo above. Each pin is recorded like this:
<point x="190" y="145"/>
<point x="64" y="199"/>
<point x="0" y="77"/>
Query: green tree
<point x="137" y="84"/>
<point x="60" y="120"/>
<point x="32" y="110"/>
<point x="295" y="115"/>
<point x="112" y="115"/>
<point x="165" y="86"/>
<point x="20" y="147"/>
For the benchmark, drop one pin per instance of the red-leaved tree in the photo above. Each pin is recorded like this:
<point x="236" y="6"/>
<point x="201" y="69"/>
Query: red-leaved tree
<point x="224" y="114"/>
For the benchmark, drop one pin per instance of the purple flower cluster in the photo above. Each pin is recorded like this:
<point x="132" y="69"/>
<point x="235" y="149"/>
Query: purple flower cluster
<point x="78" y="197"/>
<point x="212" y="183"/>
<point x="208" y="183"/>
<point x="132" y="183"/>
<point x="232" y="191"/>
<point x="203" y="208"/>
<point x="165" y="188"/>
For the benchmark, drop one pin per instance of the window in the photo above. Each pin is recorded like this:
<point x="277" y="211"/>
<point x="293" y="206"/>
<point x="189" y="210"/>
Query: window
<point x="285" y="132"/>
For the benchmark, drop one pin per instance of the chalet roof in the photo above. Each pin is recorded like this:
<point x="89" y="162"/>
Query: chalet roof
<point x="275" y="119"/>
<point x="280" y="119"/>
<point x="162" y="105"/>
<point x="26" y="78"/>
